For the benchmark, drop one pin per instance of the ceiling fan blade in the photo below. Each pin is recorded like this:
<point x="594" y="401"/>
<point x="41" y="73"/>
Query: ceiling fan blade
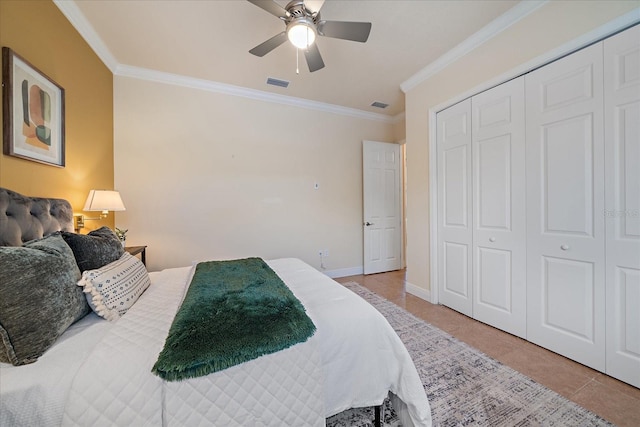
<point x="314" y="59"/>
<point x="354" y="31"/>
<point x="313" y="6"/>
<point x="271" y="7"/>
<point x="266" y="47"/>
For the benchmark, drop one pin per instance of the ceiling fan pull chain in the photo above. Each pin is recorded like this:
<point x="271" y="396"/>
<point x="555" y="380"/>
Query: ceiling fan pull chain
<point x="297" y="61"/>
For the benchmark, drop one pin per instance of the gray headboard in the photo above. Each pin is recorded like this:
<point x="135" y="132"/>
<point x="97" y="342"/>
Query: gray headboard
<point x="25" y="218"/>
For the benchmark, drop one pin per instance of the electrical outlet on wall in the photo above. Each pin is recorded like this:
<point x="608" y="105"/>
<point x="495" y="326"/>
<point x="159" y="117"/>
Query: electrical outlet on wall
<point x="323" y="252"/>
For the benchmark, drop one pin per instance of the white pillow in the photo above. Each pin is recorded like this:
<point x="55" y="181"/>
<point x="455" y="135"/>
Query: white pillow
<point x="111" y="290"/>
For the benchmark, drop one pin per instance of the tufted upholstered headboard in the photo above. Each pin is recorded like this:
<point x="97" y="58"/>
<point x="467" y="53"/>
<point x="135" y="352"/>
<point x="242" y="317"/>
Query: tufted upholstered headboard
<point x="25" y="218"/>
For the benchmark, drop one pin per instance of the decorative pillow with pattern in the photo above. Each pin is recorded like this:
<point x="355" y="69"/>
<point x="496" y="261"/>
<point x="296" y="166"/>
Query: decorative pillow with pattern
<point x="114" y="288"/>
<point x="39" y="298"/>
<point x="96" y="249"/>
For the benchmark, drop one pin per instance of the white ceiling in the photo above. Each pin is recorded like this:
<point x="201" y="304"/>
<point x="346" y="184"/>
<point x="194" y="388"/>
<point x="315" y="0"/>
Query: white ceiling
<point x="210" y="40"/>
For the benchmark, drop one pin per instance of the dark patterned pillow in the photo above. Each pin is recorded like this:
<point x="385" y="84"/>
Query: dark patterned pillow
<point x="96" y="249"/>
<point x="39" y="297"/>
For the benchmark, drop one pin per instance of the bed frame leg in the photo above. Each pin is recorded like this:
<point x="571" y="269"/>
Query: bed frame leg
<point x="377" y="414"/>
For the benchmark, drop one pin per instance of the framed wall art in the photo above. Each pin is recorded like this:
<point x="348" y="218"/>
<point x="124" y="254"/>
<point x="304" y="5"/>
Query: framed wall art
<point x="33" y="112"/>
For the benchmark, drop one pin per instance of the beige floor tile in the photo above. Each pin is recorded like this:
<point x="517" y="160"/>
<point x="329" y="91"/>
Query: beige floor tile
<point x="614" y="384"/>
<point x="609" y="403"/>
<point x="488" y="340"/>
<point x="548" y="369"/>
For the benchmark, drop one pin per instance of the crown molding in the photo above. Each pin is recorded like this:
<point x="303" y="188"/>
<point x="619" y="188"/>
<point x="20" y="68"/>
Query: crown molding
<point x="398" y="118"/>
<point x="227" y="89"/>
<point x="485" y="34"/>
<point x="608" y="29"/>
<point x="71" y="11"/>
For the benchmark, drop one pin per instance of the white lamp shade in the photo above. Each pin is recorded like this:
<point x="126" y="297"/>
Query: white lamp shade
<point x="104" y="200"/>
<point x="301" y="35"/>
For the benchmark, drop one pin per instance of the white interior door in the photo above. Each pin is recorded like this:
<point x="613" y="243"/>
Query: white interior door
<point x="454" y="207"/>
<point x="565" y="199"/>
<point x="499" y="212"/>
<point x="622" y="210"/>
<point x="382" y="223"/>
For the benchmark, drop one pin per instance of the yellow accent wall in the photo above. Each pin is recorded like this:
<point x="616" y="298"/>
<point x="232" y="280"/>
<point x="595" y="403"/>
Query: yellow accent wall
<point x="40" y="33"/>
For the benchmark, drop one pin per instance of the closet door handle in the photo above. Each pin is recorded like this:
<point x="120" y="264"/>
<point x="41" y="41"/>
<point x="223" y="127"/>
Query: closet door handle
<point x="564" y="247"/>
<point x="492" y="239"/>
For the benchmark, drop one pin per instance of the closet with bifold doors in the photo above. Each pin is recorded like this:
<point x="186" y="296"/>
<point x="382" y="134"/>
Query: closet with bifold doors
<point x="538" y="206"/>
<point x="481" y="207"/>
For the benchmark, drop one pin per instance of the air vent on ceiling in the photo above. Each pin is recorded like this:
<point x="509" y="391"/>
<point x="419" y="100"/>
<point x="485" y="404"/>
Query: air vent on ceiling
<point x="379" y="104"/>
<point x="277" y="82"/>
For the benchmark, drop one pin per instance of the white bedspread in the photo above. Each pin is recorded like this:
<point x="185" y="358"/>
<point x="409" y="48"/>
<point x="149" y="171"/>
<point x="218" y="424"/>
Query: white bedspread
<point x="353" y="360"/>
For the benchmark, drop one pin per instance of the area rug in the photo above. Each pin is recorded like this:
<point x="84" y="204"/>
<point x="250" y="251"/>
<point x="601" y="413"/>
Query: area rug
<point x="465" y="387"/>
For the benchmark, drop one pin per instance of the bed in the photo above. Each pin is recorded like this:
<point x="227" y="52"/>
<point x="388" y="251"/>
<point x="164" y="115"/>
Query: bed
<point x="98" y="372"/>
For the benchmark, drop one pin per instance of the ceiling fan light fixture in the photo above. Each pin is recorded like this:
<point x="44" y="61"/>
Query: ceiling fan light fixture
<point x="301" y="33"/>
<point x="303" y="25"/>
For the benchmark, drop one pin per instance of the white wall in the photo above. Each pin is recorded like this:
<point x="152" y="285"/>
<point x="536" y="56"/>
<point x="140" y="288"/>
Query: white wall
<point x="548" y="28"/>
<point x="206" y="175"/>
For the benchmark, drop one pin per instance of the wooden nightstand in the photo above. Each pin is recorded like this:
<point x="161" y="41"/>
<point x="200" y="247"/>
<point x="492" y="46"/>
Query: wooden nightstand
<point x="135" y="250"/>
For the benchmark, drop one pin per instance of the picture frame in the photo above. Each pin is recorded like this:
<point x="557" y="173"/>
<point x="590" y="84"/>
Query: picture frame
<point x="33" y="112"/>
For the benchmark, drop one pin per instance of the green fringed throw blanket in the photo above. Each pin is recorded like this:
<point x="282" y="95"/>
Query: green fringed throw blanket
<point x="233" y="312"/>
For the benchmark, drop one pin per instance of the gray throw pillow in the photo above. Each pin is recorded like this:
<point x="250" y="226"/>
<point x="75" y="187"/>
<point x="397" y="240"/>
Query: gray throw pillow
<point x="96" y="249"/>
<point x="39" y="297"/>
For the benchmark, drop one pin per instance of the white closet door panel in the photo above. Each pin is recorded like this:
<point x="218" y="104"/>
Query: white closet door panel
<point x="568" y="296"/>
<point x="493" y="182"/>
<point x="454" y="212"/>
<point x="623" y="318"/>
<point x="456" y="273"/>
<point x="493" y="276"/>
<point x="566" y="151"/>
<point x="622" y="210"/>
<point x="628" y="131"/>
<point x="565" y="199"/>
<point x="499" y="227"/>
<point x="455" y="162"/>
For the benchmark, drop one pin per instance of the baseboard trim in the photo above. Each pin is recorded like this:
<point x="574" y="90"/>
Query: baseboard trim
<point x="344" y="272"/>
<point x="418" y="291"/>
<point x="354" y="271"/>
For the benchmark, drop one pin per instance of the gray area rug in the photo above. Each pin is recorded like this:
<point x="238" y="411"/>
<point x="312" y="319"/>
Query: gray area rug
<point x="466" y="387"/>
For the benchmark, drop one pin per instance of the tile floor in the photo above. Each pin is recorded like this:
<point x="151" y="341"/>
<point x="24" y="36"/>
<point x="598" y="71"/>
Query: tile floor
<point x="613" y="400"/>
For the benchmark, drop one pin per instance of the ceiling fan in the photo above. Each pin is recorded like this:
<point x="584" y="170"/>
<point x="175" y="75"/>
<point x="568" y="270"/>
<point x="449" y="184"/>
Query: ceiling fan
<point x="303" y="24"/>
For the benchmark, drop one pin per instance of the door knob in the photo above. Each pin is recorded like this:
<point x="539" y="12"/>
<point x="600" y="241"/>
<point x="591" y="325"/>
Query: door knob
<point x="368" y="223"/>
<point x="492" y="239"/>
<point x="564" y="247"/>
